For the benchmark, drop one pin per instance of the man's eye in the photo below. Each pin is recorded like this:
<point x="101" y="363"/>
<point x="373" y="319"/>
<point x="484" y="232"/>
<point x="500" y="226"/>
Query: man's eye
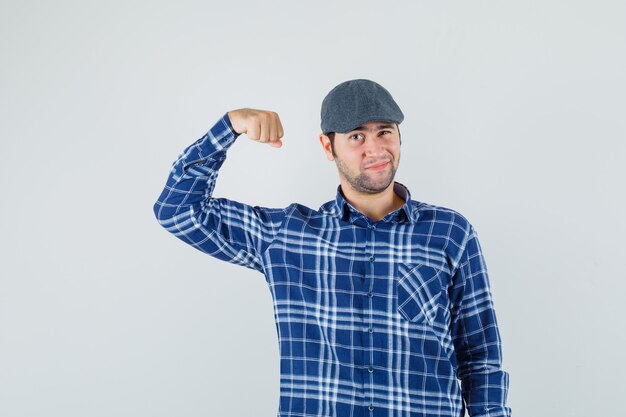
<point x="353" y="136"/>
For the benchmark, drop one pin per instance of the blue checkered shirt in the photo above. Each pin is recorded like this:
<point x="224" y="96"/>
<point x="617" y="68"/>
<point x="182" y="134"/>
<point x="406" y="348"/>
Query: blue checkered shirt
<point x="374" y="318"/>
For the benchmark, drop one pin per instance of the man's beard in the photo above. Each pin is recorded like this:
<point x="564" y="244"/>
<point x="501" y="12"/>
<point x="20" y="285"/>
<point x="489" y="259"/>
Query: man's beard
<point x="364" y="182"/>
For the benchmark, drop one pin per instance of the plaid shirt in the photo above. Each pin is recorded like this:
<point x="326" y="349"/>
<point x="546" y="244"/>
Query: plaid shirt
<point x="374" y="318"/>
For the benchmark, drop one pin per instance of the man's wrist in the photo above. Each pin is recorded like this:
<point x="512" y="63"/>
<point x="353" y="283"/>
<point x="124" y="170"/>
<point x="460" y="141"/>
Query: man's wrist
<point x="230" y="124"/>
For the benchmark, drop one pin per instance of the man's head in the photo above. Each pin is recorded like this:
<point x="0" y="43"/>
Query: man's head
<point x="367" y="157"/>
<point x="360" y="121"/>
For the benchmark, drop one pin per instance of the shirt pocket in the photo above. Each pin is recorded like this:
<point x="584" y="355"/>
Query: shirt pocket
<point x="419" y="291"/>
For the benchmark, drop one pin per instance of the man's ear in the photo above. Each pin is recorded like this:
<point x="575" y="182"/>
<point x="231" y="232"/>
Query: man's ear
<point x="325" y="142"/>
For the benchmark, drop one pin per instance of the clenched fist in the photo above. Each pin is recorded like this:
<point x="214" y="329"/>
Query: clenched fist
<point x="259" y="125"/>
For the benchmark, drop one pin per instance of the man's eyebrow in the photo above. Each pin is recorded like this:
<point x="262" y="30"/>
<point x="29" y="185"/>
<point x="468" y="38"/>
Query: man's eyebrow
<point x="380" y="126"/>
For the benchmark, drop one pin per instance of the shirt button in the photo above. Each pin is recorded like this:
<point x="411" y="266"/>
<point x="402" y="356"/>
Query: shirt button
<point x="370" y="295"/>
<point x="370" y="369"/>
<point x="371" y="407"/>
<point x="372" y="258"/>
<point x="373" y="227"/>
<point x="370" y="330"/>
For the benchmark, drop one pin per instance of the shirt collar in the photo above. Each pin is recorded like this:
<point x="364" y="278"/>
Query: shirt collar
<point x="346" y="211"/>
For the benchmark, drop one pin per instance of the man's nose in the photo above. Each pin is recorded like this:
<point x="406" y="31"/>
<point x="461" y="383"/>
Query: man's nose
<point x="374" y="146"/>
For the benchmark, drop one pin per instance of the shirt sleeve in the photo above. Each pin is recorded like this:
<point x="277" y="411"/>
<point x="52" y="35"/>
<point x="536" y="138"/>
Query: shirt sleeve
<point x="223" y="228"/>
<point x="476" y="337"/>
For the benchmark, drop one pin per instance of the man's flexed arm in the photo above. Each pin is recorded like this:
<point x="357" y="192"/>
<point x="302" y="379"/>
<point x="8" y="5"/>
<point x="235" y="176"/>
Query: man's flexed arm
<point x="223" y="228"/>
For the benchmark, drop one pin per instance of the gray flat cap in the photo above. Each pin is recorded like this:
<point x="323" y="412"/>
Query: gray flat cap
<point x="354" y="102"/>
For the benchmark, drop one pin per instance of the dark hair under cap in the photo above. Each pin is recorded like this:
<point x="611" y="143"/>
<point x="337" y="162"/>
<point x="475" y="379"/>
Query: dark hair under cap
<point x="355" y="102"/>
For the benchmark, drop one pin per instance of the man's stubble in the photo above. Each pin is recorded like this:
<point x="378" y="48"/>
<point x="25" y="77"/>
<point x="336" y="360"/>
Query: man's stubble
<point x="364" y="182"/>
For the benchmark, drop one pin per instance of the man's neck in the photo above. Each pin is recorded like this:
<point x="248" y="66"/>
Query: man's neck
<point x="375" y="206"/>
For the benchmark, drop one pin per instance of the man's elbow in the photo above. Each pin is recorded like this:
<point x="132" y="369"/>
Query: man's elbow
<point x="162" y="213"/>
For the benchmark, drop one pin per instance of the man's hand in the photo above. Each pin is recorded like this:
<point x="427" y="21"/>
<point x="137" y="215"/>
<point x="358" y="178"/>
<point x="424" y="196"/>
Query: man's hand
<point x="259" y="125"/>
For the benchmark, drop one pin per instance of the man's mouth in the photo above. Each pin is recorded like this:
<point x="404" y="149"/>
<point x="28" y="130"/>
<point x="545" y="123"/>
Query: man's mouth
<point x="378" y="166"/>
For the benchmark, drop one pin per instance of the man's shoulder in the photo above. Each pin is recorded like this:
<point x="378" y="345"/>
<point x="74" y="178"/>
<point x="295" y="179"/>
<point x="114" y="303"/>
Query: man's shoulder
<point x="328" y="208"/>
<point x="301" y="210"/>
<point x="296" y="209"/>
<point x="441" y="215"/>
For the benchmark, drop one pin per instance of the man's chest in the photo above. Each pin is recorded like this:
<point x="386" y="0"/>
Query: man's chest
<point x="391" y="266"/>
<point x="392" y="279"/>
<point x="357" y="251"/>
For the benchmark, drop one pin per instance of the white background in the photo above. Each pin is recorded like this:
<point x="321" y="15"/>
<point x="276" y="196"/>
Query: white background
<point x="514" y="116"/>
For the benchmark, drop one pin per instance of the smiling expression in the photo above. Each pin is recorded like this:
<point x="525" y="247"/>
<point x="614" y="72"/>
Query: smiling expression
<point x="368" y="156"/>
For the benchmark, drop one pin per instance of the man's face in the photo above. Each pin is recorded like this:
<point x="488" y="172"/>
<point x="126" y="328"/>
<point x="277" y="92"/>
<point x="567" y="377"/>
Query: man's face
<point x="368" y="157"/>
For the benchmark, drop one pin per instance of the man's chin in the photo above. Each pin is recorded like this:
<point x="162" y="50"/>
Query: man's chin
<point x="375" y="187"/>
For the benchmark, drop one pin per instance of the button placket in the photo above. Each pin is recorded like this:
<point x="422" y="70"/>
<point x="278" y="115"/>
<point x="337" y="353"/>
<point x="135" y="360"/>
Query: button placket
<point x="372" y="258"/>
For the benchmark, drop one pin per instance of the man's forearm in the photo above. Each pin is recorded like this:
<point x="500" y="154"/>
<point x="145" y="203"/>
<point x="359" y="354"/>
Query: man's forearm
<point x="193" y="174"/>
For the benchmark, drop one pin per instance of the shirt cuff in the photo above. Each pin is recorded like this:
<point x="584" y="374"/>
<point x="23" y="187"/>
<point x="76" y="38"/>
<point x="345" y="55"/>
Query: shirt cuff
<point x="230" y="125"/>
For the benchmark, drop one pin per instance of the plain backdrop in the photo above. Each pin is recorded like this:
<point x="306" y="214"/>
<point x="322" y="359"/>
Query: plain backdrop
<point x="514" y="116"/>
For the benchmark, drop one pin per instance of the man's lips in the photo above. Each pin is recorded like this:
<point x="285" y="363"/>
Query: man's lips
<point x="378" y="166"/>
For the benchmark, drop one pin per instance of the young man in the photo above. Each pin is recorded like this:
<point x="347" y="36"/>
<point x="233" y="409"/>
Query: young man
<point x="382" y="303"/>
